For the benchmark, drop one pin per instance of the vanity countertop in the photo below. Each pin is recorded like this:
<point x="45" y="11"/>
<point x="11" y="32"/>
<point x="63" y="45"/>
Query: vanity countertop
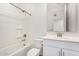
<point x="72" y="37"/>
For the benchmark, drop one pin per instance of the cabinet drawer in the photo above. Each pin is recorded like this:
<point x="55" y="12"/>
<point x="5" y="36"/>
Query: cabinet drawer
<point x="50" y="42"/>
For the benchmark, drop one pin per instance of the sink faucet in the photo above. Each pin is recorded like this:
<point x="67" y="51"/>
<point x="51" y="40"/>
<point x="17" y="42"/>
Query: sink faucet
<point x="59" y="34"/>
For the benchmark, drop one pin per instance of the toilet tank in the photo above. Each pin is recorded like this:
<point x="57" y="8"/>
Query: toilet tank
<point x="38" y="43"/>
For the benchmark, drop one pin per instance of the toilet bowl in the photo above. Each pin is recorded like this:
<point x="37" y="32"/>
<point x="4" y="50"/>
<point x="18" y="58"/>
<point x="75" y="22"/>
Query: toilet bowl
<point x="33" y="52"/>
<point x="36" y="50"/>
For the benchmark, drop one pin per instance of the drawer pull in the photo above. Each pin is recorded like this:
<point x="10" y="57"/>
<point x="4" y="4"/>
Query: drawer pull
<point x="59" y="53"/>
<point x="63" y="53"/>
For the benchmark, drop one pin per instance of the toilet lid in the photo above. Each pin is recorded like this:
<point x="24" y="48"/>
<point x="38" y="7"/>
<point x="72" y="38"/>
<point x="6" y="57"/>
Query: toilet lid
<point x="33" y="52"/>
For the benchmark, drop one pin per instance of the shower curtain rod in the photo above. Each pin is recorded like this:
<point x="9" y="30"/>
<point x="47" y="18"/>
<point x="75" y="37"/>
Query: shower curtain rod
<point x="24" y="11"/>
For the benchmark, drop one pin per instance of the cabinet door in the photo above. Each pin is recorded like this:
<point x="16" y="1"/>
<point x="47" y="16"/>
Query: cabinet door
<point x="51" y="51"/>
<point x="68" y="52"/>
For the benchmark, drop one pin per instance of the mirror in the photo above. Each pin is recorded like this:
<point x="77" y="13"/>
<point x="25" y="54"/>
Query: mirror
<point x="62" y="17"/>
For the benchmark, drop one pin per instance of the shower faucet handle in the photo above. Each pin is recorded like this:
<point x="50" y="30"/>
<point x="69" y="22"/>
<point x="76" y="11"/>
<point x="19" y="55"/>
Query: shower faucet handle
<point x="24" y="40"/>
<point x="24" y="35"/>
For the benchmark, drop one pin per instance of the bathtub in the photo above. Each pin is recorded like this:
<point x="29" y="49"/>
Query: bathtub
<point x="22" y="51"/>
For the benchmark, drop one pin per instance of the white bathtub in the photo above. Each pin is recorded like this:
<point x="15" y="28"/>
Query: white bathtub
<point x="22" y="51"/>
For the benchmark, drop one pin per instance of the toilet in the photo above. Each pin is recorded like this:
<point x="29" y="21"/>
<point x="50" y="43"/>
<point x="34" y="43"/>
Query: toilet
<point x="37" y="48"/>
<point x="33" y="52"/>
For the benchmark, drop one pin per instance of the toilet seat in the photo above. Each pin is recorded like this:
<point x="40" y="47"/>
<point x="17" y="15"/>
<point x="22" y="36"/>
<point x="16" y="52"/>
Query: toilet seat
<point x="33" y="52"/>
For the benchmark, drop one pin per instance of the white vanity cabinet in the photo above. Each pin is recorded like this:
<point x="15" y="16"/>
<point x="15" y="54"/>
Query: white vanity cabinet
<point x="60" y="48"/>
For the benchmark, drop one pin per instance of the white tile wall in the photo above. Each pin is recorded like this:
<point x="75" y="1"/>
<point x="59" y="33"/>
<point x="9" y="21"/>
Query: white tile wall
<point x="72" y="17"/>
<point x="10" y="19"/>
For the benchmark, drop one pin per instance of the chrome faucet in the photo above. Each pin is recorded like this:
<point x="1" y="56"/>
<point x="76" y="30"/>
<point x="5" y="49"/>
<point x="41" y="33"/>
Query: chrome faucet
<point x="59" y="34"/>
